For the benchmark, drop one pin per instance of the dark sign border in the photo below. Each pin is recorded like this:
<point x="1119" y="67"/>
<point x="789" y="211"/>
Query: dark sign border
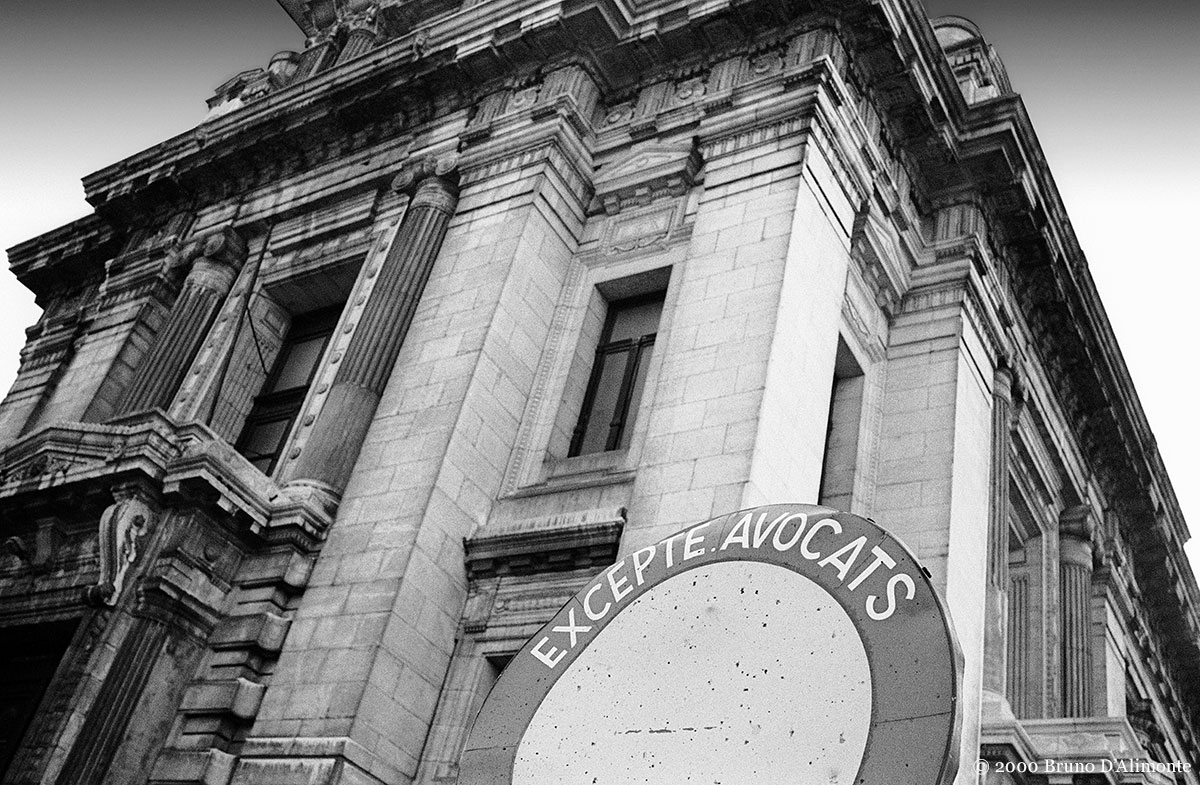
<point x="915" y="662"/>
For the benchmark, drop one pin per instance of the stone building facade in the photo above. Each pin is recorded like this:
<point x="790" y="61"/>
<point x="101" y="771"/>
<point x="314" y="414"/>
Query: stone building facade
<point x="337" y="397"/>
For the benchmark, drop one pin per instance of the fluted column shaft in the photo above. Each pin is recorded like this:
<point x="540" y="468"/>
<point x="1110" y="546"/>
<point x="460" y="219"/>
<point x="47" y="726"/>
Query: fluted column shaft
<point x="1075" y="598"/>
<point x="996" y="630"/>
<point x="204" y="290"/>
<point x="360" y="41"/>
<point x="329" y="455"/>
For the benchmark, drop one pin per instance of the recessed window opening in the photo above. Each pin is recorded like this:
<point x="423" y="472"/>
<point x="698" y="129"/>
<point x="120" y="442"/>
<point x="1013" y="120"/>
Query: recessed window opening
<point x="842" y="432"/>
<point x="276" y="407"/>
<point x="618" y="375"/>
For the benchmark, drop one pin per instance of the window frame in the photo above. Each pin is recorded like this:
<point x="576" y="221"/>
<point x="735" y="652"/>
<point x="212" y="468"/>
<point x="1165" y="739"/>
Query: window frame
<point x="635" y="350"/>
<point x="285" y="405"/>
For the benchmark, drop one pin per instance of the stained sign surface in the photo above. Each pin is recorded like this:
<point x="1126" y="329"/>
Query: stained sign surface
<point x="787" y="643"/>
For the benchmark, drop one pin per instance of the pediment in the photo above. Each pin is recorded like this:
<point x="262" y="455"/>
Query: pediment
<point x="646" y="173"/>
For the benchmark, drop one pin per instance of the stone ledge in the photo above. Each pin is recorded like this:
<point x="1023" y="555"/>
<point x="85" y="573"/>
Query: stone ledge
<point x="334" y="760"/>
<point x="550" y="543"/>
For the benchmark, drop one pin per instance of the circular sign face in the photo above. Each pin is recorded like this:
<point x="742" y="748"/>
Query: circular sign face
<point x="787" y="643"/>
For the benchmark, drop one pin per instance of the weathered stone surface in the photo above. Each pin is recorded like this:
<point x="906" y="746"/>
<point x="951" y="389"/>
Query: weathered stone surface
<point x="807" y="190"/>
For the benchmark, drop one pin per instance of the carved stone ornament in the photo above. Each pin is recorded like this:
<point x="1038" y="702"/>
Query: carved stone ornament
<point x="650" y="172"/>
<point x="122" y="526"/>
<point x="419" y="168"/>
<point x="224" y="247"/>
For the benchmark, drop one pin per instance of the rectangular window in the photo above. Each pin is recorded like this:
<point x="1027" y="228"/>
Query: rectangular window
<point x="276" y="407"/>
<point x="618" y="375"/>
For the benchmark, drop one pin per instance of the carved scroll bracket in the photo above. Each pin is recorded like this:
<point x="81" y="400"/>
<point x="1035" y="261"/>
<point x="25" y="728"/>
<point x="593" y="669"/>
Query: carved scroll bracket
<point x="123" y="525"/>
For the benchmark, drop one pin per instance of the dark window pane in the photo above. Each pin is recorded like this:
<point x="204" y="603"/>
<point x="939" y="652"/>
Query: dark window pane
<point x="634" y="321"/>
<point x="618" y="376"/>
<point x="275" y="409"/>
<point x="604" y="404"/>
<point x="297" y="363"/>
<point x="639" y="382"/>
<point x="262" y="441"/>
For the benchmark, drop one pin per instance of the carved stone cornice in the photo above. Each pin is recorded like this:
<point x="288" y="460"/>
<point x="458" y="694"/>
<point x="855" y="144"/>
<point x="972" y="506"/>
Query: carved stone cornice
<point x="647" y="173"/>
<point x="549" y="143"/>
<point x="65" y="258"/>
<point x="1083" y="739"/>
<point x="547" y="544"/>
<point x="565" y="90"/>
<point x="391" y="76"/>
<point x="79" y="454"/>
<point x="187" y="462"/>
<point x="883" y="257"/>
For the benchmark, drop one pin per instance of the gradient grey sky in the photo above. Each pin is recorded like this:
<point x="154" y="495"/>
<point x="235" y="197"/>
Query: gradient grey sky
<point x="1113" y="90"/>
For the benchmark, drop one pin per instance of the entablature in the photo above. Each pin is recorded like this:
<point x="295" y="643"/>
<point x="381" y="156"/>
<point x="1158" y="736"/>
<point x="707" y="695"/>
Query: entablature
<point x="391" y="85"/>
<point x="65" y="258"/>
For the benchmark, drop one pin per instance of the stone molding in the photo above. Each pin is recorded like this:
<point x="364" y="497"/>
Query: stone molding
<point x="523" y="465"/>
<point x="554" y="542"/>
<point x="647" y="173"/>
<point x="185" y="461"/>
<point x="883" y="257"/>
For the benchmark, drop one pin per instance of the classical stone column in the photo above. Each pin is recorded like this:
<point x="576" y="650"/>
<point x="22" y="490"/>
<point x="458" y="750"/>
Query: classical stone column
<point x="996" y="621"/>
<point x="217" y="260"/>
<point x="359" y="41"/>
<point x="329" y="454"/>
<point x="1075" y="598"/>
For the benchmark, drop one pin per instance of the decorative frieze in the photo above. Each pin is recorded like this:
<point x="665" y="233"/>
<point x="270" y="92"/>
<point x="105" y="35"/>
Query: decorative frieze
<point x="346" y="214"/>
<point x="649" y="229"/>
<point x="717" y="146"/>
<point x="564" y="90"/>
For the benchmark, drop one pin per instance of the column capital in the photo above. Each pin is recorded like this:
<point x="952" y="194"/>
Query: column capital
<point x="1002" y="383"/>
<point x="442" y="169"/>
<point x="1077" y="522"/>
<point x="223" y="246"/>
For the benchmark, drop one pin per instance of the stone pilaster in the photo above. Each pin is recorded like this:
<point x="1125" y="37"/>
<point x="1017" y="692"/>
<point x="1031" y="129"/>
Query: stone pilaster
<point x="996" y="620"/>
<point x="935" y="461"/>
<point x="105" y="725"/>
<point x="219" y="257"/>
<point x="338" y="433"/>
<point x="1075" y="596"/>
<point x="1032" y="661"/>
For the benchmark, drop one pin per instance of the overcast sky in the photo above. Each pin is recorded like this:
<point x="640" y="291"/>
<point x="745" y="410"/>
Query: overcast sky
<point x="1112" y="89"/>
